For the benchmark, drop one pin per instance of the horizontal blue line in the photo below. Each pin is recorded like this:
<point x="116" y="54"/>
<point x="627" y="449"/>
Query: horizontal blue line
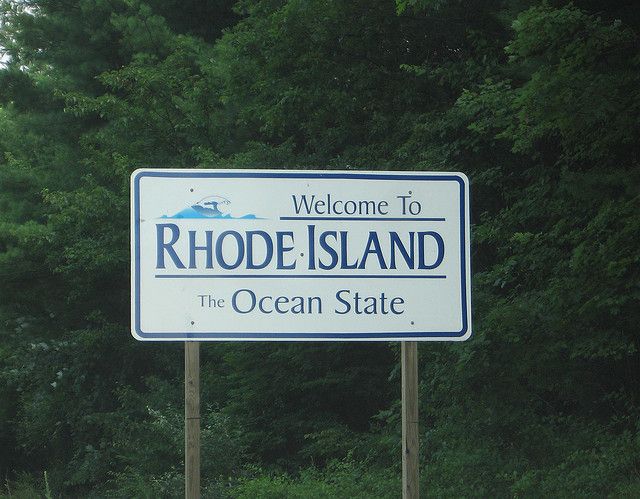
<point x="293" y="336"/>
<point x="362" y="219"/>
<point x="299" y="175"/>
<point x="296" y="276"/>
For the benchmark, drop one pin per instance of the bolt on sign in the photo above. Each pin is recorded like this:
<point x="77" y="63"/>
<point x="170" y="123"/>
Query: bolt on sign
<point x="299" y="255"/>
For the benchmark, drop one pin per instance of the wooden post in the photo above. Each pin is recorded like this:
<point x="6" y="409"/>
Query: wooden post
<point x="410" y="476"/>
<point x="192" y="420"/>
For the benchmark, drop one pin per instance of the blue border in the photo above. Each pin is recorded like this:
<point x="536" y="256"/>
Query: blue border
<point x="181" y="336"/>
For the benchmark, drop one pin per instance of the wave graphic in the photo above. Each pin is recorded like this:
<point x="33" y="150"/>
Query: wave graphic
<point x="192" y="213"/>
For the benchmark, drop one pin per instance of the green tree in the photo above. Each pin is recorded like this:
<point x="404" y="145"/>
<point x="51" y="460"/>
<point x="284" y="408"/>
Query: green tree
<point x="537" y="101"/>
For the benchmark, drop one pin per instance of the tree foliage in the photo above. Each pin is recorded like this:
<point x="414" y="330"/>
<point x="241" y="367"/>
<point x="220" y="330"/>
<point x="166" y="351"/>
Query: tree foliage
<point x="538" y="102"/>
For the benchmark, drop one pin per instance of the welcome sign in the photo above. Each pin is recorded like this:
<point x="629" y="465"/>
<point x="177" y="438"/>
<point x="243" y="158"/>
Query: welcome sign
<point x="299" y="255"/>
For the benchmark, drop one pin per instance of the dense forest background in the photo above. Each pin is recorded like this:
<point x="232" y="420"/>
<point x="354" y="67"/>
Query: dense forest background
<point x="537" y="101"/>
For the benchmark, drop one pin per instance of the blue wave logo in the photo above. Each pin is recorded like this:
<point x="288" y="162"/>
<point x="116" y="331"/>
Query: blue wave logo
<point x="216" y="207"/>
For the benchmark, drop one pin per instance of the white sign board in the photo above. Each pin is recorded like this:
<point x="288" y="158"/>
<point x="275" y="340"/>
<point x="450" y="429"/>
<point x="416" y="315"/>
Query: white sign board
<point x="299" y="255"/>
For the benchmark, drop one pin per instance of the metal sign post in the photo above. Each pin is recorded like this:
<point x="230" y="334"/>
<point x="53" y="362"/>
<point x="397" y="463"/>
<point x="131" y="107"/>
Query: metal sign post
<point x="410" y="445"/>
<point x="192" y="419"/>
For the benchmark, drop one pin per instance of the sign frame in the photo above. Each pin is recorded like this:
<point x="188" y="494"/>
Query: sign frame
<point x="465" y="265"/>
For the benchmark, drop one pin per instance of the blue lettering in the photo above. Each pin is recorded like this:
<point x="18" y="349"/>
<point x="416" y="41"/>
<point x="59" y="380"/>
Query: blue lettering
<point x="409" y="256"/>
<point x="344" y="264"/>
<point x="269" y="249"/>
<point x="373" y="247"/>
<point x="331" y="251"/>
<point x="421" y="250"/>
<point x="311" y="230"/>
<point x="193" y="248"/>
<point x="303" y="201"/>
<point x="282" y="249"/>
<point x="252" y="301"/>
<point x="163" y="246"/>
<point x="346" y="304"/>
<point x="239" y="250"/>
